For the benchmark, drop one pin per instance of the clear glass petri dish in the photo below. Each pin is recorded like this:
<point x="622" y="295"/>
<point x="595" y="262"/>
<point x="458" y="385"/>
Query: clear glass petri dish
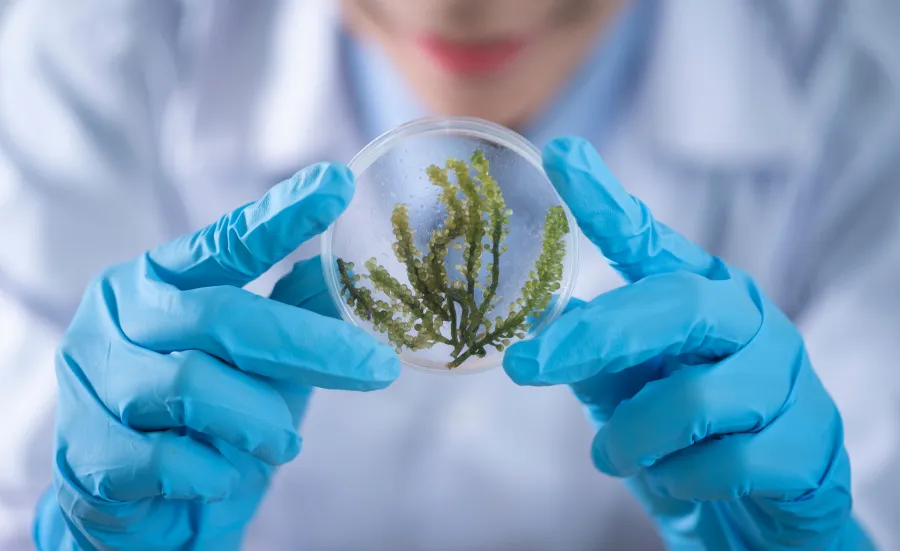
<point x="393" y="170"/>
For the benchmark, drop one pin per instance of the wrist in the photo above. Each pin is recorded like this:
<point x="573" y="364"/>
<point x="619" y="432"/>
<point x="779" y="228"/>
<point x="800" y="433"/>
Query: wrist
<point x="853" y="538"/>
<point x="709" y="526"/>
<point x="50" y="531"/>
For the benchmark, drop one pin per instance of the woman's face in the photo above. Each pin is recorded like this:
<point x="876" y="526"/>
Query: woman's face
<point x="497" y="59"/>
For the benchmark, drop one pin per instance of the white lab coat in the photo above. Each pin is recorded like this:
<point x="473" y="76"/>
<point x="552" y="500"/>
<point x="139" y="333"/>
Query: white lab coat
<point x="767" y="132"/>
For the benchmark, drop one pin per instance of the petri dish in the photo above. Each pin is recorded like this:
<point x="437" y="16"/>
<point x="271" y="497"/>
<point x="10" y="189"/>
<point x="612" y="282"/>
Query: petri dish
<point x="442" y="308"/>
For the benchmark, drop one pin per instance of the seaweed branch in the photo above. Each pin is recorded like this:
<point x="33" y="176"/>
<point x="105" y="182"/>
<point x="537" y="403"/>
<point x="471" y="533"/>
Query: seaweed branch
<point x="437" y="308"/>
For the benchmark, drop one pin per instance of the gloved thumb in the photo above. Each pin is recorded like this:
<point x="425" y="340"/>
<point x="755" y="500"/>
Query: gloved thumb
<point x="619" y="224"/>
<point x="305" y="288"/>
<point x="245" y="243"/>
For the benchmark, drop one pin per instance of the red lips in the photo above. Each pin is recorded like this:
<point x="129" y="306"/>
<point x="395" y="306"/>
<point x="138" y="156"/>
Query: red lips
<point x="467" y="58"/>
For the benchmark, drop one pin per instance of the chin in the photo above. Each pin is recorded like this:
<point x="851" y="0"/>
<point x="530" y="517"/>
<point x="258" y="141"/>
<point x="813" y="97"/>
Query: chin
<point x="500" y="96"/>
<point x="491" y="105"/>
<point x="483" y="110"/>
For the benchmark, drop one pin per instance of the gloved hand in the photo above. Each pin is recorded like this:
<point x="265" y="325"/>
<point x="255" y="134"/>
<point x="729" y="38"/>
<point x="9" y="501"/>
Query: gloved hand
<point x="179" y="392"/>
<point x="702" y="392"/>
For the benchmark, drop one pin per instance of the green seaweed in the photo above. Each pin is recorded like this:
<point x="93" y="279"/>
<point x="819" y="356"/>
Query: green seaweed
<point x="437" y="308"/>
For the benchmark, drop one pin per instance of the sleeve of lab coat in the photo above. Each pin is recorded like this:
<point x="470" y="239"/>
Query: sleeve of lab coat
<point x="851" y="320"/>
<point x="82" y="87"/>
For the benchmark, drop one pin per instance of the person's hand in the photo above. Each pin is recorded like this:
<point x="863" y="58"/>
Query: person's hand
<point x="179" y="392"/>
<point x="701" y="388"/>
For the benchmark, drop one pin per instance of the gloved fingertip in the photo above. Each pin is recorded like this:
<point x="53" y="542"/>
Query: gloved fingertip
<point x="573" y="304"/>
<point x="277" y="449"/>
<point x="380" y="369"/>
<point x="521" y="365"/>
<point x="323" y="174"/>
<point x="600" y="457"/>
<point x="571" y="162"/>
<point x="305" y="288"/>
<point x="316" y="196"/>
<point x="207" y="490"/>
<point x="662" y="487"/>
<point x="562" y="147"/>
<point x="293" y="445"/>
<point x="189" y="469"/>
<point x="583" y="179"/>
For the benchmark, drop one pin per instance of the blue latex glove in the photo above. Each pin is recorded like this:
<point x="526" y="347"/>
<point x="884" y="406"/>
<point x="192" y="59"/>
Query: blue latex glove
<point x="701" y="389"/>
<point x="179" y="392"/>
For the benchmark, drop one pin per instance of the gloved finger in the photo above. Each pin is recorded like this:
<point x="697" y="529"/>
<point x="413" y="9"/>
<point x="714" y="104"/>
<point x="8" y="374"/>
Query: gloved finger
<point x="110" y="461"/>
<point x="679" y="314"/>
<point x="245" y="243"/>
<point x="783" y="462"/>
<point x="602" y="393"/>
<point x="192" y="390"/>
<point x="573" y="304"/>
<point x="798" y="442"/>
<point x="259" y="336"/>
<point x="296" y="396"/>
<point x="619" y="224"/>
<point x="131" y="466"/>
<point x="305" y="288"/>
<point x="689" y="406"/>
<point x="698" y="402"/>
<point x="168" y="465"/>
